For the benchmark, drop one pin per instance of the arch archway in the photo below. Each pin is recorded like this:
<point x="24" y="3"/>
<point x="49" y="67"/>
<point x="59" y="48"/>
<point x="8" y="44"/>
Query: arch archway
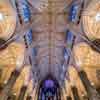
<point x="49" y="89"/>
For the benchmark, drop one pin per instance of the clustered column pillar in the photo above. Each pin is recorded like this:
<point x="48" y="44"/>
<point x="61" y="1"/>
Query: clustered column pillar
<point x="91" y="91"/>
<point x="8" y="86"/>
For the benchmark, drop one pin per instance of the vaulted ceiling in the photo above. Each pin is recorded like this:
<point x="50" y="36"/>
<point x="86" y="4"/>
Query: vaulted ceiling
<point x="57" y="38"/>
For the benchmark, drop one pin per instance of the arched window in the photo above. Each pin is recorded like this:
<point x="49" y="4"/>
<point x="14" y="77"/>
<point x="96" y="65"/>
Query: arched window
<point x="49" y="89"/>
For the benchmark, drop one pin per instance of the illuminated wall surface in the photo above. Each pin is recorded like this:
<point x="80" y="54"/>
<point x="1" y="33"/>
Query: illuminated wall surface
<point x="49" y="49"/>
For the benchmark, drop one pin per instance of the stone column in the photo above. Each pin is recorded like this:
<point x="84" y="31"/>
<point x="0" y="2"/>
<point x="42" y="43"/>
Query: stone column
<point x="29" y="98"/>
<point x="68" y="98"/>
<point x="91" y="91"/>
<point x="75" y="93"/>
<point x="8" y="86"/>
<point x="12" y="97"/>
<point x="22" y="93"/>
